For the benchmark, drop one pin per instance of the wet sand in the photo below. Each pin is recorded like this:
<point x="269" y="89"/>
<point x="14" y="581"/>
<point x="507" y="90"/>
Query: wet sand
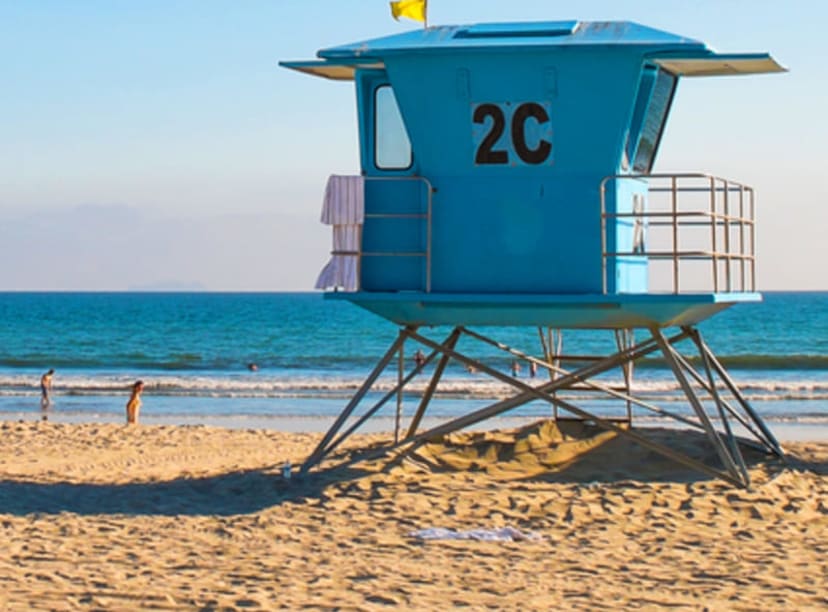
<point x="104" y="516"/>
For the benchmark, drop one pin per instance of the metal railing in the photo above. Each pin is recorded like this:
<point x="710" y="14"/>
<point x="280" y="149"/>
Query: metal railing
<point x="690" y="217"/>
<point x="426" y="217"/>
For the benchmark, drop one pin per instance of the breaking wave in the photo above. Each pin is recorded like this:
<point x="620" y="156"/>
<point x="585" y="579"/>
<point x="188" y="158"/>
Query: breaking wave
<point x="342" y="386"/>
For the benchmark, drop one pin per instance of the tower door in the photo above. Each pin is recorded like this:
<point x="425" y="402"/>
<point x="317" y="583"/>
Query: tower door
<point x="395" y="236"/>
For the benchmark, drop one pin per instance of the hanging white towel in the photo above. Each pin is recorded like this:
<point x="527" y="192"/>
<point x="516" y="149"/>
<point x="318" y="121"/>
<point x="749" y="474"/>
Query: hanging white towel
<point x="344" y="202"/>
<point x="341" y="271"/>
<point x="344" y="208"/>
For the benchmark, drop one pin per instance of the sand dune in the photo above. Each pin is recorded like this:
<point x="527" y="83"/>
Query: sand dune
<point x="162" y="517"/>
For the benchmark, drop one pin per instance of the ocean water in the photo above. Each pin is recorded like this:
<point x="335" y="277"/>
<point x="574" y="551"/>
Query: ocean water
<point x="193" y="350"/>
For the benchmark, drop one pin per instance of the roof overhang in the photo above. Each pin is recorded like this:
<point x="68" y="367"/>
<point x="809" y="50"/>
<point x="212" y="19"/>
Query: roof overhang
<point x="720" y="64"/>
<point x="333" y="69"/>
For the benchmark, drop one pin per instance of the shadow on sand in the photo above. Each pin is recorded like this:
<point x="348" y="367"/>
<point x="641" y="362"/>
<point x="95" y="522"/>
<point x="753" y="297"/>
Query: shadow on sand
<point x="569" y="454"/>
<point x="242" y="492"/>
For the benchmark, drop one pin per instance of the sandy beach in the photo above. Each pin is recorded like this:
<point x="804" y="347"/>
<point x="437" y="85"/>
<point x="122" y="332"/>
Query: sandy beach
<point x="108" y="517"/>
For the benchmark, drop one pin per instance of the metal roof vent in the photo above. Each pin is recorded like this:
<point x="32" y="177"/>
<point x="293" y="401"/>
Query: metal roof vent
<point x="518" y="30"/>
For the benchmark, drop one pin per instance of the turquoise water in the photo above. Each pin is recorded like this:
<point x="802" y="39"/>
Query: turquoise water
<point x="193" y="351"/>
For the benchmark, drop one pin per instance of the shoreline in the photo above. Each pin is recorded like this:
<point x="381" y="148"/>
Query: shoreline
<point x="783" y="431"/>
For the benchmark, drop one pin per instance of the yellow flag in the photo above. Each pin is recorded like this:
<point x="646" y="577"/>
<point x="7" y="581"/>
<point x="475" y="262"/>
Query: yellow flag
<point x="413" y="9"/>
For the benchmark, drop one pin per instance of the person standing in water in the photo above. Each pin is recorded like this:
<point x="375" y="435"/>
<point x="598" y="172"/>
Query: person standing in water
<point x="46" y="389"/>
<point x="134" y="404"/>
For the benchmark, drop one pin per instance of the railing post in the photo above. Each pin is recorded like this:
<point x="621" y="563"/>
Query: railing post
<point x="400" y="374"/>
<point x="359" y="259"/>
<point x="714" y="222"/>
<point x="752" y="241"/>
<point x="675" y="235"/>
<point x="604" y="235"/>
<point x="742" y="236"/>
<point x="430" y="191"/>
<point x="728" y="252"/>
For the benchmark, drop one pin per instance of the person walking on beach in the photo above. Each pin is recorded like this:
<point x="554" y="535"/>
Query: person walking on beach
<point x="515" y="368"/>
<point x="46" y="389"/>
<point x="419" y="358"/>
<point x="134" y="404"/>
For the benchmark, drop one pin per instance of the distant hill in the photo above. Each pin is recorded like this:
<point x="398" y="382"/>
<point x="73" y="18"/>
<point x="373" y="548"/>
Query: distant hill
<point x="169" y="286"/>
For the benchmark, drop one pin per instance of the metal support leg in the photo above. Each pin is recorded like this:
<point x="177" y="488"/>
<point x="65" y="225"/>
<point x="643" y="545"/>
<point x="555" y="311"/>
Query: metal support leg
<point x="769" y="437"/>
<point x="552" y="346"/>
<point x="668" y="352"/>
<point x="375" y="408"/>
<point x="624" y="338"/>
<point x="450" y="343"/>
<point x="400" y="373"/>
<point x="724" y="403"/>
<point x="320" y="450"/>
<point x="734" y="445"/>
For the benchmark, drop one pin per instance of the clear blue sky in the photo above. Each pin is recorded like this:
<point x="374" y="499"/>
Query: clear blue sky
<point x="157" y="143"/>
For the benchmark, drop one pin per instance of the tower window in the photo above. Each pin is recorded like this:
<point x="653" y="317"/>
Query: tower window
<point x="392" y="148"/>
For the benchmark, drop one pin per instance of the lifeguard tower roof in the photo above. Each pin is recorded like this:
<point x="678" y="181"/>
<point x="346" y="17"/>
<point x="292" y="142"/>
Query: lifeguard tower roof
<point x="507" y="179"/>
<point x="692" y="57"/>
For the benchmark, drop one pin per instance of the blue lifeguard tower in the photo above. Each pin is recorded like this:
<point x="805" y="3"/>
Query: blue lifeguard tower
<point x="507" y="180"/>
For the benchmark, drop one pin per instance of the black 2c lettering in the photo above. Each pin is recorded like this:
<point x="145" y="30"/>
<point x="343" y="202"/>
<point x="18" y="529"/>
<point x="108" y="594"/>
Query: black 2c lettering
<point x="485" y="152"/>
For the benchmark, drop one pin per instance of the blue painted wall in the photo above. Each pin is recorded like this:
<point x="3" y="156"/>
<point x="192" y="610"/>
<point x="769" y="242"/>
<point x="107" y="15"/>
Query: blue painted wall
<point x="516" y="227"/>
